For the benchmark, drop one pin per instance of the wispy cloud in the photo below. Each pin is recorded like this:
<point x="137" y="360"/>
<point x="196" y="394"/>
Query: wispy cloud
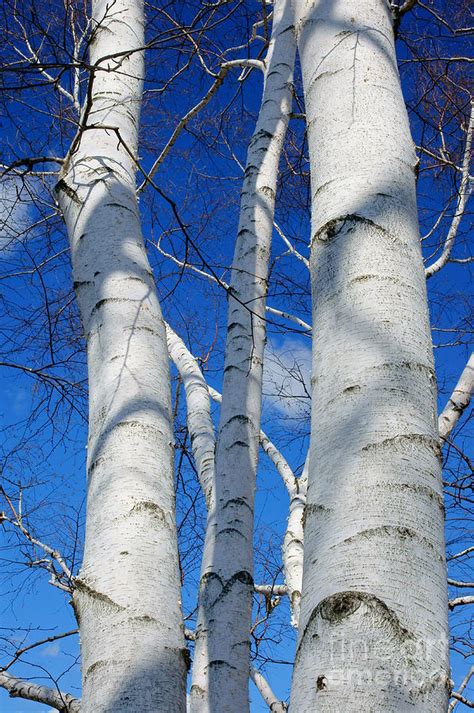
<point x="15" y="206"/>
<point x="287" y="377"/>
<point x="52" y="650"/>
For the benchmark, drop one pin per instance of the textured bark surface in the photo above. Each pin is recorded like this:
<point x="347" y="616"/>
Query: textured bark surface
<point x="17" y="688"/>
<point x="221" y="660"/>
<point x="373" y="626"/>
<point x="198" y="406"/>
<point x="127" y="595"/>
<point x="458" y="401"/>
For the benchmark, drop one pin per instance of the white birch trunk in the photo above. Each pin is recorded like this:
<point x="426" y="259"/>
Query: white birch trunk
<point x="198" y="408"/>
<point x="373" y="626"/>
<point x="127" y="595"/>
<point x="293" y="544"/>
<point x="221" y="660"/>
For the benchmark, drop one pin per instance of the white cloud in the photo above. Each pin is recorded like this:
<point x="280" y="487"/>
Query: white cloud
<point x="287" y="377"/>
<point x="51" y="650"/>
<point x="15" y="205"/>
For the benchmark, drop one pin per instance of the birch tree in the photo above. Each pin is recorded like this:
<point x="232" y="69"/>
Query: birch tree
<point x="373" y="627"/>
<point x="221" y="662"/>
<point x="132" y="641"/>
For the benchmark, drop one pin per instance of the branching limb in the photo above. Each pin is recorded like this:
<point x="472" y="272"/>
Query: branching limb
<point x="461" y="601"/>
<point x="19" y="688"/>
<point x="224" y="70"/>
<point x="200" y="425"/>
<point x="457" y="694"/>
<point x="290" y="246"/>
<point x="463" y="197"/>
<point x="218" y="281"/>
<point x="458" y="401"/>
<point x="460" y="699"/>
<point x="463" y="553"/>
<point x="54" y="555"/>
<point x="406" y="7"/>
<point x="274" y="704"/>
<point x="274" y="590"/>
<point x="456" y="583"/>
<point x="48" y="640"/>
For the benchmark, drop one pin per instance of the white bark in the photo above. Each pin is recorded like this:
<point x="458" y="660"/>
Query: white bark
<point x="274" y="704"/>
<point x="293" y="545"/>
<point x="221" y="660"/>
<point x="292" y="548"/>
<point x="200" y="426"/>
<point x="373" y="625"/>
<point x="201" y="432"/>
<point x="18" y="688"/>
<point x="463" y="197"/>
<point x="127" y="595"/>
<point x="458" y="401"/>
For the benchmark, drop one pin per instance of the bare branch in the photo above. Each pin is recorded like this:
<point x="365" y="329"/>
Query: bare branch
<point x="463" y="196"/>
<point x="457" y="694"/>
<point x="461" y="699"/>
<point x="192" y="112"/>
<point x="19" y="688"/>
<point x="274" y="704"/>
<point x="458" y="401"/>
<point x="461" y="601"/>
<point x="276" y="590"/>
<point x="456" y="583"/>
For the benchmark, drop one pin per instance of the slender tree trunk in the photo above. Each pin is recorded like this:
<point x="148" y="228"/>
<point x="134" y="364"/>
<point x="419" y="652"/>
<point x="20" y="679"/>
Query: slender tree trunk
<point x="221" y="661"/>
<point x="198" y="407"/>
<point x="127" y="595"/>
<point x="293" y="544"/>
<point x="373" y="626"/>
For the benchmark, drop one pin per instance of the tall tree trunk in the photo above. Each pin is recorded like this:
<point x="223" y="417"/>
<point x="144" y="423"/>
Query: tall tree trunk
<point x="221" y="661"/>
<point x="373" y="626"/>
<point x="127" y="595"/>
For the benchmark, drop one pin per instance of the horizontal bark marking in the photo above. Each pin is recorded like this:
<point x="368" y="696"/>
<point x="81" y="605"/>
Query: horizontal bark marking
<point x="404" y="533"/>
<point x="342" y="605"/>
<point x="421" y="439"/>
<point x="415" y="488"/>
<point x="228" y="530"/>
<point x="82" y="587"/>
<point x="314" y="509"/>
<point x="242" y="444"/>
<point x="121" y="206"/>
<point x="219" y="663"/>
<point x="240" y="418"/>
<point x="333" y="228"/>
<point x="151" y="507"/>
<point x="145" y="618"/>
<point x="100" y="664"/>
<point x="237" y="501"/>
<point x="241" y="577"/>
<point x="132" y="425"/>
<point x="351" y="389"/>
<point x="109" y="300"/>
